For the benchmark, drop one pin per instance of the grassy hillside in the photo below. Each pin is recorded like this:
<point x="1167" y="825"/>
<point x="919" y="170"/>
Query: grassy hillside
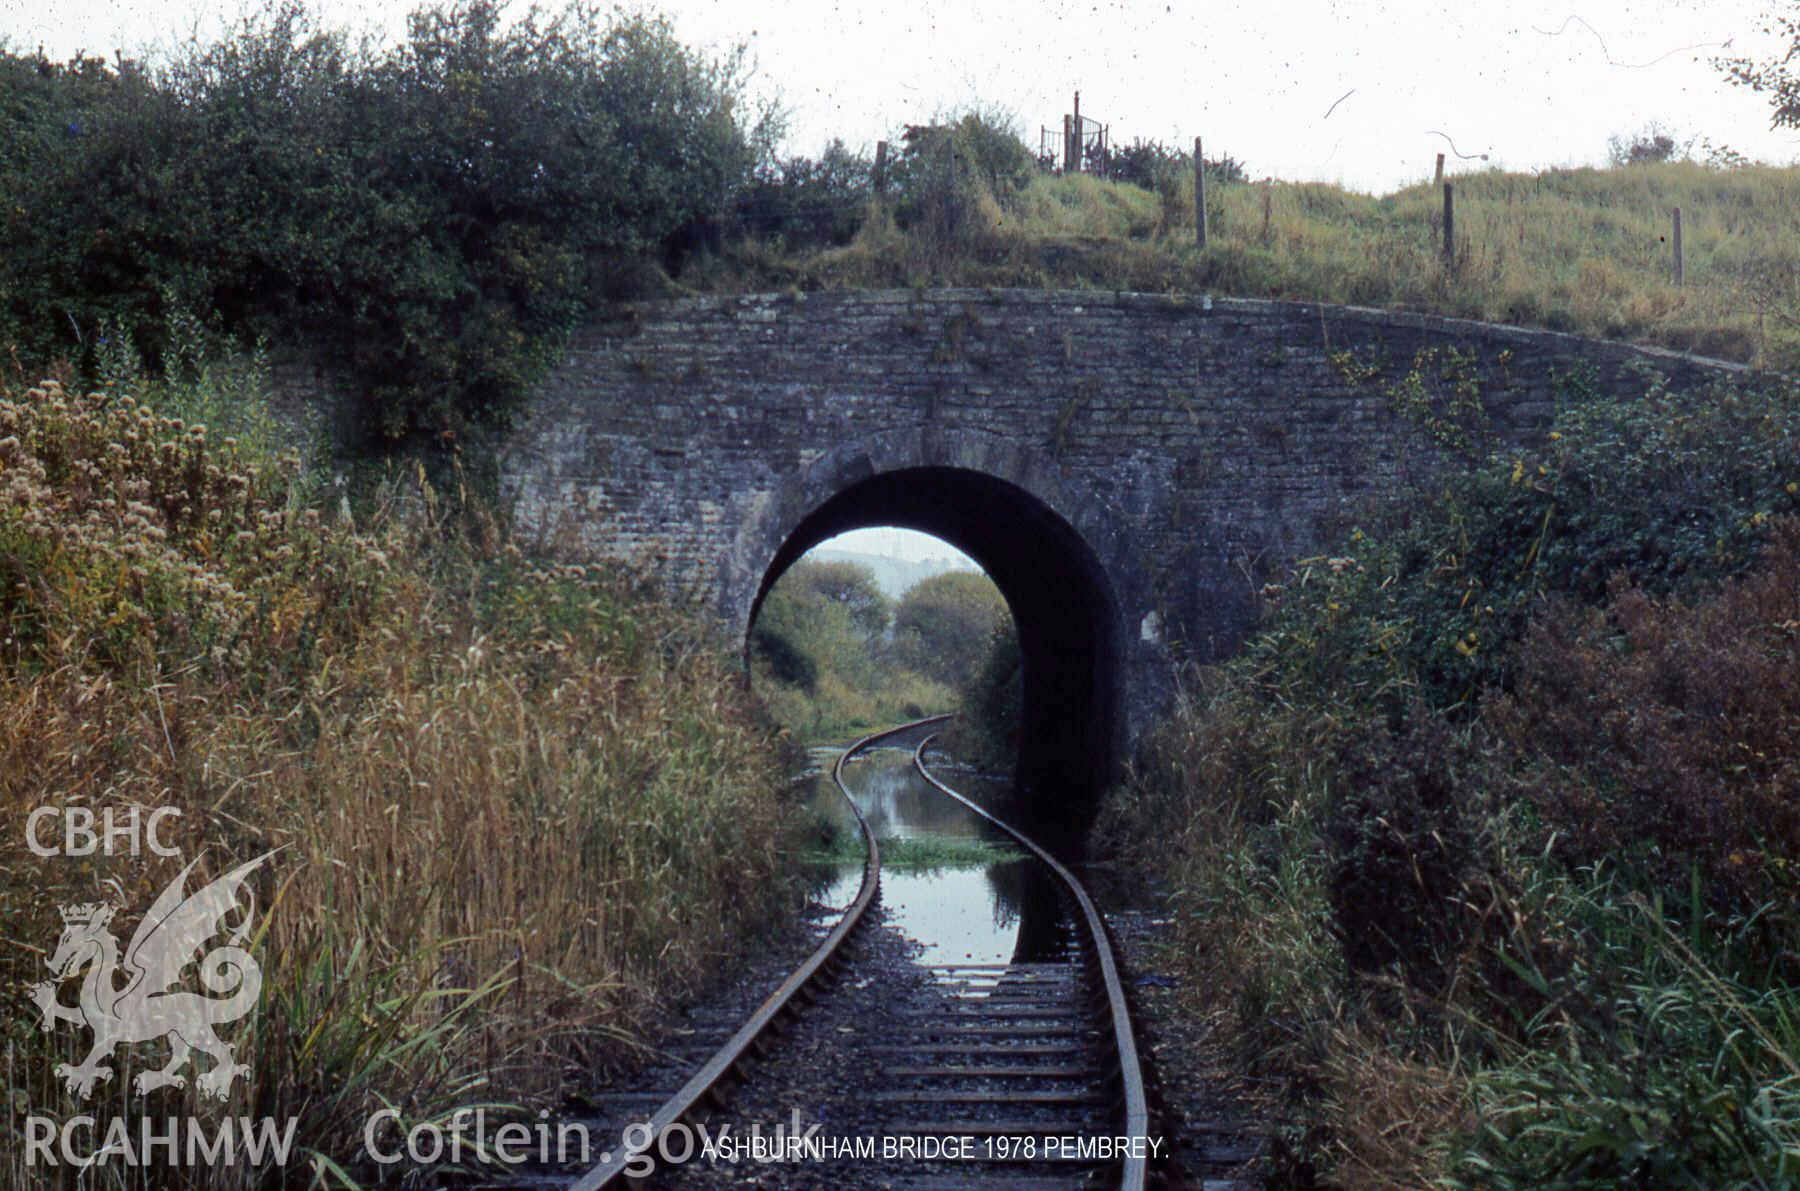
<point x="518" y="803"/>
<point x="1580" y="250"/>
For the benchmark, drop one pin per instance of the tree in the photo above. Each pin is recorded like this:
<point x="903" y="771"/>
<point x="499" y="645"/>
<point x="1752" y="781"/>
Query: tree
<point x="1649" y="145"/>
<point x="435" y="213"/>
<point x="807" y="201"/>
<point x="847" y="584"/>
<point x="1779" y="77"/>
<point x="942" y="625"/>
<point x="993" y="698"/>
<point x="780" y="642"/>
<point x="947" y="170"/>
<point x="822" y="618"/>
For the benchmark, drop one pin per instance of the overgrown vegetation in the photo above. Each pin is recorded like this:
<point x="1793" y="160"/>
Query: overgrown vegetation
<point x="519" y="803"/>
<point x="945" y="621"/>
<point x="433" y="214"/>
<point x="915" y="854"/>
<point x="1486" y="846"/>
<point x="1581" y="250"/>
<point x="992" y="698"/>
<point x="832" y="655"/>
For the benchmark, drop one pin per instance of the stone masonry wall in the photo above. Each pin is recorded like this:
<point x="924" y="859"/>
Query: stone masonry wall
<point x="1196" y="443"/>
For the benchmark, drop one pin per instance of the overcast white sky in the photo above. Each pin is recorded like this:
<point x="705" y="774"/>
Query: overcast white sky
<point x="1531" y="84"/>
<point x="898" y="543"/>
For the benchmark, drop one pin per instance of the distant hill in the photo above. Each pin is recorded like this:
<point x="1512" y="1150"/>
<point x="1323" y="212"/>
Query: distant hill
<point x="893" y="575"/>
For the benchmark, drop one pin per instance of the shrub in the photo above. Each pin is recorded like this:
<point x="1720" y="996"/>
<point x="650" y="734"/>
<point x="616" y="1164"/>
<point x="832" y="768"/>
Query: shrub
<point x="944" y="621"/>
<point x="1496" y="814"/>
<point x="949" y="176"/>
<point x="1149" y="164"/>
<point x="1650" y="145"/>
<point x="436" y="212"/>
<point x="1404" y="838"/>
<point x="822" y="658"/>
<point x="1677" y="491"/>
<point x="1657" y="734"/>
<point x="1153" y="165"/>
<point x="807" y="201"/>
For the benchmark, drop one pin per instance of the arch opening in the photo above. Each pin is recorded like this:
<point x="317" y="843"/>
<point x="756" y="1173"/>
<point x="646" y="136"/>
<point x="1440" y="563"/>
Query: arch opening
<point x="1063" y="606"/>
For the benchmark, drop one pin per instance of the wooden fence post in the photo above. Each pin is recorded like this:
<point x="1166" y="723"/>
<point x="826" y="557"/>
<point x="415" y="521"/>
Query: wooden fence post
<point x="1439" y="179"/>
<point x="880" y="176"/>
<point x="1080" y="140"/>
<point x="1449" y="227"/>
<point x="1199" y="196"/>
<point x="1678" y="262"/>
<point x="952" y="196"/>
<point x="1068" y="146"/>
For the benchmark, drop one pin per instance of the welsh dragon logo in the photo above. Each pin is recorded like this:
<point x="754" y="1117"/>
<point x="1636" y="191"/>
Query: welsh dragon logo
<point x="151" y="1005"/>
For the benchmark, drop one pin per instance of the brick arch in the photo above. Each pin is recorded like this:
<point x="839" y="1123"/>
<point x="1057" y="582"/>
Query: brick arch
<point x="1051" y="549"/>
<point x="1194" y="445"/>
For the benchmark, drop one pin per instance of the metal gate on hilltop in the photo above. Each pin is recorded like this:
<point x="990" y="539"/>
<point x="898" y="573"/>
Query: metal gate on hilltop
<point x="1080" y="146"/>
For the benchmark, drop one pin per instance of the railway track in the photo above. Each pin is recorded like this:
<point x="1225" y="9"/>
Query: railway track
<point x="1013" y="1075"/>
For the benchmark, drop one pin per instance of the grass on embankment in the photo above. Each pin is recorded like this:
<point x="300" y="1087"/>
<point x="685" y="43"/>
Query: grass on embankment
<point x="841" y="707"/>
<point x="1582" y="250"/>
<point x="1486" y="849"/>
<point x="518" y="802"/>
<point x="919" y="854"/>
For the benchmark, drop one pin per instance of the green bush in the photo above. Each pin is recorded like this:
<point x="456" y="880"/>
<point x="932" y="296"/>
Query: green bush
<point x="949" y="177"/>
<point x="1486" y="844"/>
<point x="1155" y="166"/>
<point x="944" y="621"/>
<point x="437" y="212"/>
<point x="823" y="660"/>
<point x="1675" y="491"/>
<point x="807" y="201"/>
<point x="992" y="699"/>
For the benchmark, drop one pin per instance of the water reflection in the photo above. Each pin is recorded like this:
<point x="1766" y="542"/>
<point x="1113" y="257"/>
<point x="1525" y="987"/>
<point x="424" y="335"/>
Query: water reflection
<point x="1005" y="912"/>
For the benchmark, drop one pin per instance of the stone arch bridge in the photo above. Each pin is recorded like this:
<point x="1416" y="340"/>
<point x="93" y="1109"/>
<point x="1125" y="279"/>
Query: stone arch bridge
<point x="1128" y="468"/>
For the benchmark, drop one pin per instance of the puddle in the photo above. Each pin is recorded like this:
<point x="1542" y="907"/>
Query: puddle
<point x="1000" y="912"/>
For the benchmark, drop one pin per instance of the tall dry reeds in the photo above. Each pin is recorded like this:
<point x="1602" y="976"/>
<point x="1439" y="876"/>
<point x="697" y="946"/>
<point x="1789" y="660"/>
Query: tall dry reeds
<point x="517" y="803"/>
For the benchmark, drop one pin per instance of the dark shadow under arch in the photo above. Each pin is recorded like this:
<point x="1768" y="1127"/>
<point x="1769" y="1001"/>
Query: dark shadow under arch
<point x="1062" y="602"/>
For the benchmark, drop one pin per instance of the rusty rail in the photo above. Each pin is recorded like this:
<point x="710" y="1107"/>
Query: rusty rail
<point x="1134" y="1170"/>
<point x="708" y="1081"/>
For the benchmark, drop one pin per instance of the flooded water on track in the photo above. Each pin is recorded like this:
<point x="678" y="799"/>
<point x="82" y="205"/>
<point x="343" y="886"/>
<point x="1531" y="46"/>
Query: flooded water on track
<point x="995" y="912"/>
